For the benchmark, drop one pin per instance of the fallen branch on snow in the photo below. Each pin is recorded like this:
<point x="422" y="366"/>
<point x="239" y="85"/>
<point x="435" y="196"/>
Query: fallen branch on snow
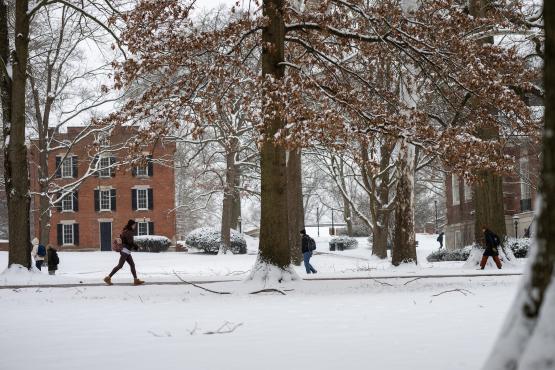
<point x="410" y="281"/>
<point x="269" y="290"/>
<point x="226" y="328"/>
<point x="462" y="291"/>
<point x="198" y="286"/>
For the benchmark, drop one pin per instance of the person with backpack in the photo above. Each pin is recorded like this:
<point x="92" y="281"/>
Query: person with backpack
<point x="53" y="260"/>
<point x="308" y="245"/>
<point x="440" y="239"/>
<point x="492" y="248"/>
<point x="38" y="253"/>
<point x="125" y="254"/>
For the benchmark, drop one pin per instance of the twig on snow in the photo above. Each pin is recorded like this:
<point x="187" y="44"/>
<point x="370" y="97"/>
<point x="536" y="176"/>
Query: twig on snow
<point x="410" y="281"/>
<point x="198" y="286"/>
<point x="194" y="330"/>
<point x="269" y="290"/>
<point x="464" y="292"/>
<point x="226" y="328"/>
<point x="382" y="282"/>
<point x="167" y="334"/>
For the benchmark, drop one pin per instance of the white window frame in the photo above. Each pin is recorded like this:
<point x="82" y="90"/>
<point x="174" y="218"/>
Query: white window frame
<point x="66" y="168"/>
<point x="139" y="191"/>
<point x="67" y="230"/>
<point x="145" y="225"/>
<point x="141" y="171"/>
<point x="100" y="204"/>
<point x="467" y="192"/>
<point x="455" y="190"/>
<point x="67" y="199"/>
<point x="105" y="170"/>
<point x="525" y="188"/>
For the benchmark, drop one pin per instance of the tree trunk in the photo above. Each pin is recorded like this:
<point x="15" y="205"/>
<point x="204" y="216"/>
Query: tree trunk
<point x="295" y="204"/>
<point x="236" y="202"/>
<point x="227" y="207"/>
<point x="274" y="251"/>
<point x="381" y="225"/>
<point x="489" y="206"/>
<point x="347" y="215"/>
<point x="527" y="339"/>
<point x="488" y="190"/>
<point x="404" y="241"/>
<point x="16" y="169"/>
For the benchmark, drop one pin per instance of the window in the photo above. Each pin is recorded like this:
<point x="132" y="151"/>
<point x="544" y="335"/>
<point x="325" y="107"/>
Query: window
<point x="142" y="199"/>
<point x="67" y="233"/>
<point x="105" y="197"/>
<point x="105" y="167"/>
<point x="67" y="202"/>
<point x="142" y="171"/>
<point x="104" y="140"/>
<point x="525" y="187"/>
<point x="467" y="192"/>
<point x="458" y="240"/>
<point x="142" y="228"/>
<point x="67" y="167"/>
<point x="455" y="190"/>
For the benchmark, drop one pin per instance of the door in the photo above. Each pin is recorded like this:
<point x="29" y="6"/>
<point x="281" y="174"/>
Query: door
<point x="105" y="236"/>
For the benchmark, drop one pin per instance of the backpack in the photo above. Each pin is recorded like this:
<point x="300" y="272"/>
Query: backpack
<point x="41" y="251"/>
<point x="117" y="245"/>
<point x="311" y="244"/>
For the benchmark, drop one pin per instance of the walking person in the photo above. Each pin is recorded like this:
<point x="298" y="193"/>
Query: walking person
<point x="125" y="254"/>
<point x="53" y="260"/>
<point x="492" y="248"/>
<point x="440" y="239"/>
<point x="308" y="245"/>
<point x="38" y="253"/>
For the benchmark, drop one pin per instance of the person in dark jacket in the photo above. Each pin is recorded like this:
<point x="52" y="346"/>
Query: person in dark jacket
<point x="307" y="252"/>
<point x="440" y="239"/>
<point x="53" y="260"/>
<point x="492" y="248"/>
<point x="125" y="254"/>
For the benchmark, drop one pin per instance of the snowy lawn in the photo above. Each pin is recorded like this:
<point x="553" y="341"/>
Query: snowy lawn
<point x="388" y="323"/>
<point x="319" y="325"/>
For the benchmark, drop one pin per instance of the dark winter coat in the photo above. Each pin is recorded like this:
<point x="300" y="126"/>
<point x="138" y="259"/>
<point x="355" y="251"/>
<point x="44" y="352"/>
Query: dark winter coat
<point x="305" y="245"/>
<point x="127" y="239"/>
<point x="53" y="259"/>
<point x="492" y="243"/>
<point x="440" y="238"/>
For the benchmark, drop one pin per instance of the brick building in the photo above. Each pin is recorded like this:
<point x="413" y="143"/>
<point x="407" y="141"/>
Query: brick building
<point x="90" y="217"/>
<point x="519" y="194"/>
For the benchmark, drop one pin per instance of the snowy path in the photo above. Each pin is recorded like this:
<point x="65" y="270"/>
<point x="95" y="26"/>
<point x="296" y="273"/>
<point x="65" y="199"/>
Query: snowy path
<point x="385" y="277"/>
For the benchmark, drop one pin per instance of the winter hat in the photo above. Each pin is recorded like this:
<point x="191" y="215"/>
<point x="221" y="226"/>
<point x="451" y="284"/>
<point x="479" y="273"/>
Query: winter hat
<point x="130" y="224"/>
<point x="303" y="231"/>
<point x="35" y="241"/>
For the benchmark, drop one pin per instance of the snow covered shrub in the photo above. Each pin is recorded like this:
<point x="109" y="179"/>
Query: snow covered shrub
<point x="358" y="231"/>
<point x="450" y="255"/>
<point x="519" y="246"/>
<point x="152" y="243"/>
<point x="208" y="240"/>
<point x="343" y="242"/>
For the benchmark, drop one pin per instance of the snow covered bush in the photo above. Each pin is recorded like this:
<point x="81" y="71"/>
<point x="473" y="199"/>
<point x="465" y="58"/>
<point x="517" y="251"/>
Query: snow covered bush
<point x="519" y="246"/>
<point x="208" y="240"/>
<point x="358" y="231"/>
<point x="442" y="255"/>
<point x="152" y="243"/>
<point x="343" y="242"/>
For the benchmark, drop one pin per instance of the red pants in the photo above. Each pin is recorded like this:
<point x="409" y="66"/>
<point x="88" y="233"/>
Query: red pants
<point x="485" y="260"/>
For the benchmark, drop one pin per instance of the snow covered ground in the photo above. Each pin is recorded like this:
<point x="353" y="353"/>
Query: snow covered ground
<point x="88" y="267"/>
<point x="388" y="323"/>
